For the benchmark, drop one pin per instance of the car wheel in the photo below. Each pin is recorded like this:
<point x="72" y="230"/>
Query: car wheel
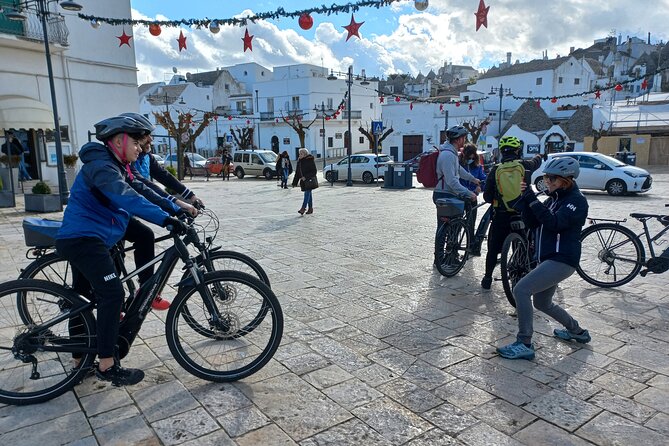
<point x="616" y="187"/>
<point x="268" y="174"/>
<point x="367" y="178"/>
<point x="239" y="173"/>
<point x="540" y="184"/>
<point x="328" y="176"/>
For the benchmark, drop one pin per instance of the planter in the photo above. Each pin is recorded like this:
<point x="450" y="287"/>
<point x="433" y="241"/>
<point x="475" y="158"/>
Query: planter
<point x="43" y="203"/>
<point x="7" y="199"/>
<point x="70" y="175"/>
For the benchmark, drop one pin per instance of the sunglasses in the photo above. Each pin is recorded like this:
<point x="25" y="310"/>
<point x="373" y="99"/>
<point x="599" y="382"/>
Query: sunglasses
<point x="550" y="178"/>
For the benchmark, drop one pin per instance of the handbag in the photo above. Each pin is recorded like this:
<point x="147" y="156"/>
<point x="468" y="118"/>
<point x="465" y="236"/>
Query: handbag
<point x="310" y="183"/>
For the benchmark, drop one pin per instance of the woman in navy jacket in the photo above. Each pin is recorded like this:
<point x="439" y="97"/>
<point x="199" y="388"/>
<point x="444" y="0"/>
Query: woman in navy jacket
<point x="557" y="223"/>
<point x="104" y="196"/>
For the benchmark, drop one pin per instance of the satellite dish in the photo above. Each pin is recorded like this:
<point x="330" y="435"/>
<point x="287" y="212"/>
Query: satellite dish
<point x="174" y="70"/>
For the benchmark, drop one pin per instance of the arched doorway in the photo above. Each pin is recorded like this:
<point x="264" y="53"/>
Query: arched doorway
<point x="555" y="143"/>
<point x="275" y="144"/>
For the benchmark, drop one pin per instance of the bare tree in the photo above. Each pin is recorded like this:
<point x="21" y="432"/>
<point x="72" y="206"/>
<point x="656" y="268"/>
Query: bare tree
<point x="597" y="135"/>
<point x="371" y="137"/>
<point x="243" y="137"/>
<point x="186" y="122"/>
<point x="475" y="129"/>
<point x="295" y="121"/>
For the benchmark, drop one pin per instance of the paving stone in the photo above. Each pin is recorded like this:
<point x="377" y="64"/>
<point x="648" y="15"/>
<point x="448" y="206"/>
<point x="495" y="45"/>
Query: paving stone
<point x="184" y="426"/>
<point x="349" y="433"/>
<point x="270" y="435"/>
<point x="16" y="417"/>
<point x="608" y="429"/>
<point x="364" y="344"/>
<point x="393" y="359"/>
<point x="619" y="384"/>
<point x="659" y="382"/>
<point x="352" y="393"/>
<point x="641" y="356"/>
<point x="216" y="438"/>
<point x="483" y="435"/>
<point x="164" y="400"/>
<point x="375" y="375"/>
<point x="242" y="421"/>
<point x="659" y="423"/>
<point x="543" y="374"/>
<point x="426" y="376"/>
<point x="113" y="416"/>
<point x="111" y="398"/>
<point x="473" y="346"/>
<point x="127" y="431"/>
<point x="286" y="351"/>
<point x="503" y="416"/>
<point x="88" y="441"/>
<point x="445" y="356"/>
<point x="410" y="395"/>
<point x="220" y="398"/>
<point x="630" y="371"/>
<point x="435" y="437"/>
<point x="579" y="369"/>
<point x="303" y="364"/>
<point x="327" y="376"/>
<point x="449" y="418"/>
<point x="575" y="387"/>
<point x="414" y="342"/>
<point x="562" y="410"/>
<point x="622" y="406"/>
<point x="462" y="394"/>
<point x="541" y="433"/>
<point x="62" y="429"/>
<point x="655" y="398"/>
<point x="339" y="354"/>
<point x="397" y="424"/>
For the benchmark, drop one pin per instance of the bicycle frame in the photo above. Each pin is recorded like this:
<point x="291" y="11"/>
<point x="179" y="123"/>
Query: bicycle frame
<point x="641" y="235"/>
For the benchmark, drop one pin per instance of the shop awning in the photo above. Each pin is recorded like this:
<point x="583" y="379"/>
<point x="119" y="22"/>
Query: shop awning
<point x="20" y="112"/>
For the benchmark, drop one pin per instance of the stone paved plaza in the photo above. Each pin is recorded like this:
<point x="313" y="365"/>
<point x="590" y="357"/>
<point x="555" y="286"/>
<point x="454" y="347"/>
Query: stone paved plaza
<point x="378" y="348"/>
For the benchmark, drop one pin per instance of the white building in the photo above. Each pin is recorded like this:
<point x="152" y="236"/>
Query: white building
<point x="94" y="78"/>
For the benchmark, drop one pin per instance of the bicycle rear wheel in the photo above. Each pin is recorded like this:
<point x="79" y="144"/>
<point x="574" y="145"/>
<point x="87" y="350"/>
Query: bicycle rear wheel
<point x="30" y="370"/>
<point x="611" y="255"/>
<point x="452" y="247"/>
<point x="240" y="343"/>
<point x="515" y="263"/>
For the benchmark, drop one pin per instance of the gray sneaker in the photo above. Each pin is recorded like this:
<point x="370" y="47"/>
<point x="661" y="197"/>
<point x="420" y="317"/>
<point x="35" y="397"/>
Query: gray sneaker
<point x="567" y="335"/>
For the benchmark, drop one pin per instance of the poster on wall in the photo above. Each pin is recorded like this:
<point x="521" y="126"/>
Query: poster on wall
<point x="51" y="159"/>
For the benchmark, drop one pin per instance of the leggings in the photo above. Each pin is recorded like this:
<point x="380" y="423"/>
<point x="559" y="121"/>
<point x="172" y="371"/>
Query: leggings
<point x="541" y="284"/>
<point x="500" y="228"/>
<point x="144" y="242"/>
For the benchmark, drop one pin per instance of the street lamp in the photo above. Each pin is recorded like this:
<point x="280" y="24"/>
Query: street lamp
<point x="323" y="130"/>
<point x="40" y="6"/>
<point x="499" y="90"/>
<point x="349" y="82"/>
<point x="258" y="111"/>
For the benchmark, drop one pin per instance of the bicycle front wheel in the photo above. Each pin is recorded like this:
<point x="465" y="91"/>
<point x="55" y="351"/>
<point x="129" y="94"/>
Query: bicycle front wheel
<point x="611" y="255"/>
<point x="36" y="362"/>
<point x="515" y="263"/>
<point x="236" y="343"/>
<point x="452" y="247"/>
<point x="236" y="261"/>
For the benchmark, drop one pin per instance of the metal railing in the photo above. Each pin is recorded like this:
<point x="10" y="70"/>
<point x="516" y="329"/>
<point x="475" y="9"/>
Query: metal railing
<point x="267" y="116"/>
<point x="31" y="28"/>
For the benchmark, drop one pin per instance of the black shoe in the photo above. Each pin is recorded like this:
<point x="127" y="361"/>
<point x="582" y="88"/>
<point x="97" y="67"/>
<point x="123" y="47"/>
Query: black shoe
<point x="486" y="282"/>
<point x="475" y="250"/>
<point x="120" y="376"/>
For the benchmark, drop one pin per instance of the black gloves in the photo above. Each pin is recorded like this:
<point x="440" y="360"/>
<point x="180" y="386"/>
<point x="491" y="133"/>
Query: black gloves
<point x="529" y="196"/>
<point x="175" y="226"/>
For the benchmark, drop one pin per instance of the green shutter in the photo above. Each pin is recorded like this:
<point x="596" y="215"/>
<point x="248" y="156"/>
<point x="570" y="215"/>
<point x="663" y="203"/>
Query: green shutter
<point x="10" y="26"/>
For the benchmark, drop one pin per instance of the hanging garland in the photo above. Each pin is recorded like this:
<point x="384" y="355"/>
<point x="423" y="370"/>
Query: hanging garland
<point x="280" y="12"/>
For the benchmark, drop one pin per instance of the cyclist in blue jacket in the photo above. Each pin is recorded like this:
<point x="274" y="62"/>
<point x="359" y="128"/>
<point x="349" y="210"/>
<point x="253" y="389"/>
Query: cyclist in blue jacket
<point x="557" y="222"/>
<point x="103" y="198"/>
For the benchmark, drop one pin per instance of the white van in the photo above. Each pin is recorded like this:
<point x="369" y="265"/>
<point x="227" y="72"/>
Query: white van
<point x="255" y="163"/>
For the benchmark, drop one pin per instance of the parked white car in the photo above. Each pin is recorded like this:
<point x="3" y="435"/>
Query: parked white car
<point x="602" y="172"/>
<point x="363" y="167"/>
<point x="196" y="160"/>
<point x="159" y="159"/>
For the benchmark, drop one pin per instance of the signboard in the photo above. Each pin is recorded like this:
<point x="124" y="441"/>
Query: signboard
<point x="533" y="149"/>
<point x="322" y="132"/>
<point x="377" y="127"/>
<point x="228" y="138"/>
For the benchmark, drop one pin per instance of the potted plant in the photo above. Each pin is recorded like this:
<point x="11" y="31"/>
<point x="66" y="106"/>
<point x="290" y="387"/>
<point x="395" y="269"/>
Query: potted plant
<point x="70" y="161"/>
<point x="42" y="200"/>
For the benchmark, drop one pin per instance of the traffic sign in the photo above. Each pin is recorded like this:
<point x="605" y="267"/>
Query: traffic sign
<point x="377" y="127"/>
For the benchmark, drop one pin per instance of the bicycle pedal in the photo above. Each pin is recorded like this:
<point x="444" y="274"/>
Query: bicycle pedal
<point x="644" y="273"/>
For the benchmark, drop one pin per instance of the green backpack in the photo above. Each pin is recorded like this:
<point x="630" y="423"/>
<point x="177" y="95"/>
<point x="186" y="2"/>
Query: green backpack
<point x="508" y="177"/>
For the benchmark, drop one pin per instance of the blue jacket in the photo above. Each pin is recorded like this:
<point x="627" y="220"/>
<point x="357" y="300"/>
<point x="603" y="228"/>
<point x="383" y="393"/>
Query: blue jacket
<point x="143" y="165"/>
<point x="476" y="172"/>
<point x="104" y="197"/>
<point x="558" y="222"/>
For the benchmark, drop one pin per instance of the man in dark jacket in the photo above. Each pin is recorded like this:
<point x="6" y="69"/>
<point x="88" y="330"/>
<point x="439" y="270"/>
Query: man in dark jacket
<point x="103" y="198"/>
<point x="510" y="147"/>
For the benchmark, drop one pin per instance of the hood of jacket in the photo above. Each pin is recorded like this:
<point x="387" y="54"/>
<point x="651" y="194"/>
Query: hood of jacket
<point x="94" y="151"/>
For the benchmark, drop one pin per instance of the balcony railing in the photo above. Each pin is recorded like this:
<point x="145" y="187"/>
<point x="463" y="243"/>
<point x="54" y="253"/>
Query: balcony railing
<point x="31" y="28"/>
<point x="267" y="116"/>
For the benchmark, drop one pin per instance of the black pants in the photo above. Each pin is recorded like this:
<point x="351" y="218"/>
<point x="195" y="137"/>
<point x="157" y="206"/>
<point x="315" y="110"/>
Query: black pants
<point x="90" y="258"/>
<point x="143" y="241"/>
<point x="500" y="228"/>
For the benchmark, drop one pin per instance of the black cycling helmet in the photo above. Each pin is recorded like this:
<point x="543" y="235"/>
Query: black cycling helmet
<point x="510" y="144"/>
<point x="109" y="127"/>
<point x="141" y="118"/>
<point x="563" y="166"/>
<point x="456" y="132"/>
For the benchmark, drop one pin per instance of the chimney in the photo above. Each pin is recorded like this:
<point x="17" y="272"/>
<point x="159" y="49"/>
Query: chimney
<point x="508" y="58"/>
<point x="648" y="38"/>
<point x="571" y="49"/>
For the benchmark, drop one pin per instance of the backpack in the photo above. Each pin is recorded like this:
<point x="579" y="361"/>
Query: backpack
<point x="508" y="177"/>
<point x="427" y="169"/>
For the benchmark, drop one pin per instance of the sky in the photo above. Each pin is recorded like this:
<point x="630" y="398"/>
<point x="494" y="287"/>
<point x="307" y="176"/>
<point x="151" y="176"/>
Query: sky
<point x="394" y="39"/>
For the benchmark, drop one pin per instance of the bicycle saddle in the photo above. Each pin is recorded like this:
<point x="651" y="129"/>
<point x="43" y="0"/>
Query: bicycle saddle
<point x="639" y="216"/>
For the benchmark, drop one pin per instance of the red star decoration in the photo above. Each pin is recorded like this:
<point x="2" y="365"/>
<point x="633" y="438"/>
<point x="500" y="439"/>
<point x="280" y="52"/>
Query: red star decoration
<point x="538" y="102"/>
<point x="124" y="39"/>
<point x="482" y="15"/>
<point x="229" y="118"/>
<point x="247" y="40"/>
<point x="457" y="104"/>
<point x="182" y="41"/>
<point x="353" y="28"/>
<point x="598" y="94"/>
<point x="470" y="106"/>
<point x="411" y="106"/>
<point x="644" y="84"/>
<point x="381" y="99"/>
<point x="441" y="107"/>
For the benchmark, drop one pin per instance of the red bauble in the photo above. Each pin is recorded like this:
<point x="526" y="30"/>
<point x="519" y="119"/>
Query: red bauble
<point x="457" y="104"/>
<point x="306" y="21"/>
<point x="154" y="29"/>
<point x="554" y="100"/>
<point x="618" y="87"/>
<point x="397" y="98"/>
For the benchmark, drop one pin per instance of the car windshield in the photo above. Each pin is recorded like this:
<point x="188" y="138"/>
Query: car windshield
<point x="611" y="161"/>
<point x="268" y="157"/>
<point x="196" y="157"/>
<point x="383" y="159"/>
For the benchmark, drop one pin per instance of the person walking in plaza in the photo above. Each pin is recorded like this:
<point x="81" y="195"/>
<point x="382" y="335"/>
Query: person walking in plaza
<point x="226" y="159"/>
<point x="187" y="166"/>
<point x="284" y="168"/>
<point x="305" y="174"/>
<point x="14" y="147"/>
<point x="469" y="160"/>
<point x="450" y="172"/>
<point x="557" y="223"/>
<point x="102" y="201"/>
<point x="512" y="171"/>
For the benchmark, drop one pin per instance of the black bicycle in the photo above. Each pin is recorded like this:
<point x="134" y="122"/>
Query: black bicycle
<point x="48" y="265"/>
<point x="517" y="257"/>
<point x="453" y="241"/>
<point x="222" y="326"/>
<point x="613" y="255"/>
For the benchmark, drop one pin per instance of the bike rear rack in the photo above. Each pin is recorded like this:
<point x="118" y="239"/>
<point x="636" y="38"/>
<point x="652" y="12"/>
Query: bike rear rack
<point x="594" y="221"/>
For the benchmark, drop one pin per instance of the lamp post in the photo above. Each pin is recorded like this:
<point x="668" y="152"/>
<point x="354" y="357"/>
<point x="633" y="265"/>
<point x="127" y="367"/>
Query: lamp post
<point x="499" y="90"/>
<point x="323" y="131"/>
<point x="258" y="111"/>
<point x="42" y="12"/>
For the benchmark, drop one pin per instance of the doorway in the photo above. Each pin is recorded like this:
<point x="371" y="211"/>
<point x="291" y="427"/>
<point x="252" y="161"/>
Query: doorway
<point x="412" y="145"/>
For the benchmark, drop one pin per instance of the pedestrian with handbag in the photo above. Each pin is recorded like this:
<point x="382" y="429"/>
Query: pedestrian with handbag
<point x="305" y="174"/>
